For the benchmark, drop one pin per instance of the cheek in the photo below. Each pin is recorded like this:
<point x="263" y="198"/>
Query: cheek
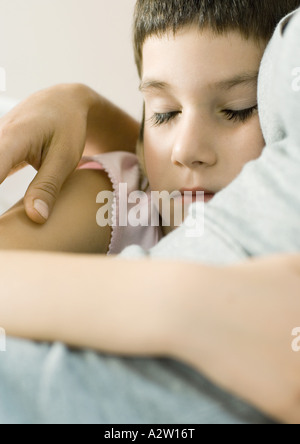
<point x="244" y="146"/>
<point x="256" y="139"/>
<point x="249" y="143"/>
<point x="157" y="157"/>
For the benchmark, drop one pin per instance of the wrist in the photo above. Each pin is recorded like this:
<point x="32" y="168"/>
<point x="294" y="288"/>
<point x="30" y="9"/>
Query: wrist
<point x="109" y="128"/>
<point x="87" y="97"/>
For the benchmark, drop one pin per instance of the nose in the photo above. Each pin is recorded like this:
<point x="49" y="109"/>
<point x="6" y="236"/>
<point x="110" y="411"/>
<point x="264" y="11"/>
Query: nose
<point x="194" y="142"/>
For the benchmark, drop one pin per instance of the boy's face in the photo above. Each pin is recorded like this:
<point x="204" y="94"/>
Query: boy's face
<point x="201" y="120"/>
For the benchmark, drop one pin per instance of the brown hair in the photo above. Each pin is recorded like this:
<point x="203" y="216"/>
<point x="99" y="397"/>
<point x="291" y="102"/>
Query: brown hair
<point x="252" y="18"/>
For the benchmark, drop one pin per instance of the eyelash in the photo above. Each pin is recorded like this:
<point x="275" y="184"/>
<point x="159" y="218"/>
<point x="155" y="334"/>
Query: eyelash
<point x="236" y="116"/>
<point x="162" y="118"/>
<point x="240" y="116"/>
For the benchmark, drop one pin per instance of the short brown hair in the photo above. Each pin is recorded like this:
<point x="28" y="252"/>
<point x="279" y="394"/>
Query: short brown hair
<point x="255" y="19"/>
<point x="252" y="18"/>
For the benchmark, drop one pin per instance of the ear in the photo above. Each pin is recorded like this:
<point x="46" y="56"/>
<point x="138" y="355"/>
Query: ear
<point x="140" y="154"/>
<point x="288" y="81"/>
<point x="285" y="24"/>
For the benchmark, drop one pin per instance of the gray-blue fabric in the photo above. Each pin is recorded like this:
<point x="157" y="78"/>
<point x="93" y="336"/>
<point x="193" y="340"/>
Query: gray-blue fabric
<point x="256" y="215"/>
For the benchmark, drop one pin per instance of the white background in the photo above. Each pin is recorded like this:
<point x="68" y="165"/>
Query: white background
<point x="45" y="42"/>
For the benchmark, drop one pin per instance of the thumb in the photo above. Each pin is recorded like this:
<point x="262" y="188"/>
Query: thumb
<point x="43" y="191"/>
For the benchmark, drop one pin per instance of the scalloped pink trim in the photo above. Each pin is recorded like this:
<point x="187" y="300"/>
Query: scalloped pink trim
<point x="84" y="162"/>
<point x="114" y="207"/>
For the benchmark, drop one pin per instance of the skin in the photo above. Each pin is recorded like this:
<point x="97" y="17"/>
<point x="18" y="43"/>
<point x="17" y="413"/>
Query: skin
<point x="72" y="119"/>
<point x="197" y="144"/>
<point x="198" y="148"/>
<point x="72" y="227"/>
<point x="243" y="344"/>
<point x="210" y="328"/>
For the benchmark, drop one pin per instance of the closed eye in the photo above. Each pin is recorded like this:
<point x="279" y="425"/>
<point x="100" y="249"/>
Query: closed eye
<point x="163" y="118"/>
<point x="240" y="116"/>
<point x="237" y="116"/>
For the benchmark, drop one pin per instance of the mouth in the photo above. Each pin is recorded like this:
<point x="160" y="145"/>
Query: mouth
<point x="188" y="193"/>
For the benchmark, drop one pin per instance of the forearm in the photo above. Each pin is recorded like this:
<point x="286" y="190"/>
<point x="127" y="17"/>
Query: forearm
<point x="114" y="306"/>
<point x="232" y="324"/>
<point x="236" y="327"/>
<point x="109" y="128"/>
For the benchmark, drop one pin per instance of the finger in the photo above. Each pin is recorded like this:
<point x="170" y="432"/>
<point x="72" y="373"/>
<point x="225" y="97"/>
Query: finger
<point x="11" y="158"/>
<point x="18" y="168"/>
<point x="43" y="191"/>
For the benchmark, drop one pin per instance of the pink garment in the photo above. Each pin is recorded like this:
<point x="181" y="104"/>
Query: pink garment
<point x="123" y="168"/>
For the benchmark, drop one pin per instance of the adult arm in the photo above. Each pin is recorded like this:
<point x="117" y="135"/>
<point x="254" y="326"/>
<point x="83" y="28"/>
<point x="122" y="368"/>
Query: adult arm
<point x="237" y="329"/>
<point x="50" y="131"/>
<point x="233" y="324"/>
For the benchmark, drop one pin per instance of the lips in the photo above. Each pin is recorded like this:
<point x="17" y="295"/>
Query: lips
<point x="208" y="195"/>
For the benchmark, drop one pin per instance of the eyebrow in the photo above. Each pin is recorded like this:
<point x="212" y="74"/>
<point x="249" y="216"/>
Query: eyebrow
<point x="246" y="78"/>
<point x="240" y="79"/>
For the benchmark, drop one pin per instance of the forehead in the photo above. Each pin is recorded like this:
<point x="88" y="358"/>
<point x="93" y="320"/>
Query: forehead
<point x="202" y="55"/>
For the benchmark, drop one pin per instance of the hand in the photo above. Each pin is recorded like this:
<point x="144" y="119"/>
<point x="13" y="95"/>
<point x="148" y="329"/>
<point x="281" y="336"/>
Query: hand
<point x="48" y="131"/>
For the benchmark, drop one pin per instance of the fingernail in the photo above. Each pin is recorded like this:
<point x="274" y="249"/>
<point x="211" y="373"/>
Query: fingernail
<point x="42" y="208"/>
